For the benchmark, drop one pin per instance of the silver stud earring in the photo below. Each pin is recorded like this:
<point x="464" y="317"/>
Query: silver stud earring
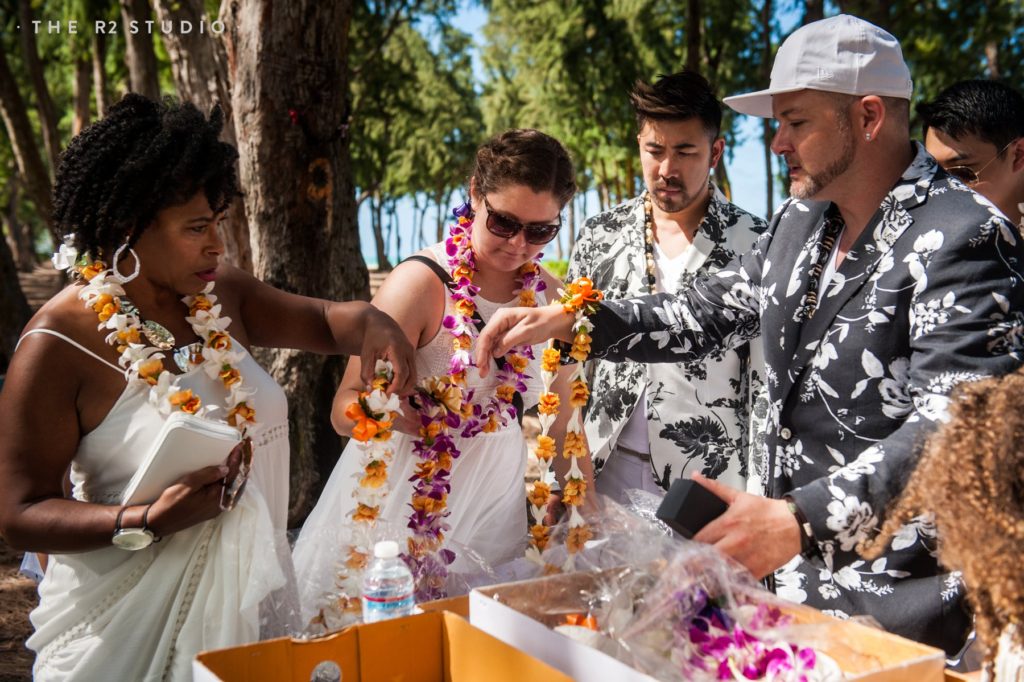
<point x="867" y="136"/>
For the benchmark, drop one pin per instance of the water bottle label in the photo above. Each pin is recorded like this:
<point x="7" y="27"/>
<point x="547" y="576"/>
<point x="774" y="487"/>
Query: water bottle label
<point x="389" y="604"/>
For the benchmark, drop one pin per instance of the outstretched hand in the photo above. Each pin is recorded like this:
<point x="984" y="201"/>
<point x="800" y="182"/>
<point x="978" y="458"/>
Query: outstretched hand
<point x="758" y="532"/>
<point x="383" y="339"/>
<point x="510" y="327"/>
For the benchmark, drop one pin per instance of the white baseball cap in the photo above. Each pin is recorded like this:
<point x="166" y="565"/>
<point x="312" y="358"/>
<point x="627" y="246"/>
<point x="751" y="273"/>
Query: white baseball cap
<point x="840" y="54"/>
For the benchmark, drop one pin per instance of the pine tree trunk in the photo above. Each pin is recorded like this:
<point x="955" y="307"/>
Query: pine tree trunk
<point x="289" y="80"/>
<point x="14" y="310"/>
<point x="23" y="143"/>
<point x="139" y="53"/>
<point x="44" y="103"/>
<point x="99" y="73"/>
<point x="83" y="84"/>
<point x="693" y="34"/>
<point x="19" y="234"/>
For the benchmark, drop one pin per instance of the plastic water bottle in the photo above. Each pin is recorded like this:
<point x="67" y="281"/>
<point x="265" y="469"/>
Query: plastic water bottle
<point x="387" y="585"/>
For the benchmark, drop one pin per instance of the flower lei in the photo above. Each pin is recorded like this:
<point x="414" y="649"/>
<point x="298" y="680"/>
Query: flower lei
<point x="714" y="642"/>
<point x="446" y="406"/>
<point x="578" y="299"/>
<point x="102" y="293"/>
<point x="374" y="413"/>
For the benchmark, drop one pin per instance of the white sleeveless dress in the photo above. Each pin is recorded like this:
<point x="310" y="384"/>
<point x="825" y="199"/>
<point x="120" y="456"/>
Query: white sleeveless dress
<point x="488" y="495"/>
<point x="111" y="614"/>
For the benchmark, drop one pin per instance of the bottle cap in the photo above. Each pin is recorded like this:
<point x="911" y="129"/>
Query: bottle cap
<point x="385" y="549"/>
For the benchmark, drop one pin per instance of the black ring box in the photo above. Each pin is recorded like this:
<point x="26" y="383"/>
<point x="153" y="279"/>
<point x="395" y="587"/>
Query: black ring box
<point x="688" y="506"/>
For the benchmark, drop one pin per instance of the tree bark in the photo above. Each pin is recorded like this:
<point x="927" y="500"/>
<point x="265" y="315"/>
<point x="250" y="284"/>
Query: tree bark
<point x="99" y="73"/>
<point x="289" y="76"/>
<point x="14" y="310"/>
<point x="139" y="53"/>
<point x="19" y="234"/>
<point x="44" y="103"/>
<point x="693" y="34"/>
<point x="23" y="143"/>
<point x="83" y="84"/>
<point x="200" y="66"/>
<point x="814" y="10"/>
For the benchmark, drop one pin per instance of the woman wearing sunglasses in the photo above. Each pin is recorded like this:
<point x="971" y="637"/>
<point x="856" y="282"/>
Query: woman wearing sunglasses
<point x="521" y="181"/>
<point x="154" y="326"/>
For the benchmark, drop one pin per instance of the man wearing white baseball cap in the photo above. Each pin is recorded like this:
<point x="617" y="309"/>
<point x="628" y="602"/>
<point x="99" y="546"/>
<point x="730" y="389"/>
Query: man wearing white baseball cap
<point x="877" y="287"/>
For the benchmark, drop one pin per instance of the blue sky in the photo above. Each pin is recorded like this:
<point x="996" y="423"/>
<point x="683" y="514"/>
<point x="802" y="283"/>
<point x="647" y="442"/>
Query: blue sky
<point x="746" y="168"/>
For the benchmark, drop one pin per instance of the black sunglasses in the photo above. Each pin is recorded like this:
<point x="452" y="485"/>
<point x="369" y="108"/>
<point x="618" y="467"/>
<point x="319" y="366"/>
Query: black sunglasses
<point x="503" y="226"/>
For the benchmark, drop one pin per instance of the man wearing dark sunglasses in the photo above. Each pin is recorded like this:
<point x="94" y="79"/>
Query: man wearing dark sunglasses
<point x="648" y="424"/>
<point x="975" y="130"/>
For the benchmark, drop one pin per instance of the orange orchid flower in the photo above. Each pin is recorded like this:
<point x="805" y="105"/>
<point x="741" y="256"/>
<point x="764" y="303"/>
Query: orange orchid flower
<point x="149" y="371"/>
<point x="539" y="494"/>
<point x="574" y="491"/>
<point x="376" y="474"/>
<point x="539" y="536"/>
<point x="577" y="538"/>
<point x="219" y="341"/>
<point x="365" y="513"/>
<point x="550" y="360"/>
<point x="186" y="401"/>
<point x="241" y="413"/>
<point x="580" y="393"/>
<point x="92" y="269"/>
<point x="229" y="376"/>
<point x="574" y="445"/>
<point x="549" y="403"/>
<point x="545" y="447"/>
<point x="200" y="303"/>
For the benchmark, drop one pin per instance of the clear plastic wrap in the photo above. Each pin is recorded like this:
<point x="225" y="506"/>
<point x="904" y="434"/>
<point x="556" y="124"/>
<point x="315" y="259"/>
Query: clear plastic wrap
<point x="676" y="609"/>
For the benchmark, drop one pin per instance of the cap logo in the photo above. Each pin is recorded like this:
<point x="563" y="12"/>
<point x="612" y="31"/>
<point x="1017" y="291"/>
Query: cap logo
<point x="825" y="74"/>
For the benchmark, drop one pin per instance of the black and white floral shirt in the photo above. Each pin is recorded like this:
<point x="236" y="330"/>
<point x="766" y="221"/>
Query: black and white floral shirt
<point x="930" y="295"/>
<point x="697" y="412"/>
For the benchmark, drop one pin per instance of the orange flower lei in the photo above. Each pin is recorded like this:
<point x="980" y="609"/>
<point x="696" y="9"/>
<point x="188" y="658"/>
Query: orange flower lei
<point x="374" y="413"/>
<point x="103" y="293"/>
<point x="578" y="299"/>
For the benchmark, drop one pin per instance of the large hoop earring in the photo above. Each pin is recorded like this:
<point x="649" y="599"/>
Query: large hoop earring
<point x="117" y="256"/>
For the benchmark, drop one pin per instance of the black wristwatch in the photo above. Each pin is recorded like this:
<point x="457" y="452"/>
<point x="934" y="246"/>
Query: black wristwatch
<point x="808" y="545"/>
<point x="133" y="539"/>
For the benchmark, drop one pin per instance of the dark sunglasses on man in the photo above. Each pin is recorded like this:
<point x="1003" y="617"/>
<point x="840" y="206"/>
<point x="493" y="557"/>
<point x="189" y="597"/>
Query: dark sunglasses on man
<point x="506" y="227"/>
<point x="971" y="177"/>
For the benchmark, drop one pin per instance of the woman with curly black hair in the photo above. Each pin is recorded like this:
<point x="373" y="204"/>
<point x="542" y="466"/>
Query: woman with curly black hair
<point x="133" y="592"/>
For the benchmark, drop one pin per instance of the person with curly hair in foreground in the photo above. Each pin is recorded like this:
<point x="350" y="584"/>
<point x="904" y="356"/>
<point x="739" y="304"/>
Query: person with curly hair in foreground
<point x="134" y="592"/>
<point x="971" y="478"/>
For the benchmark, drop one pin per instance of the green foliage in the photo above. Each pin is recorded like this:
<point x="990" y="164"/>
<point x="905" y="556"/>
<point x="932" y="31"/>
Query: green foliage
<point x="558" y="268"/>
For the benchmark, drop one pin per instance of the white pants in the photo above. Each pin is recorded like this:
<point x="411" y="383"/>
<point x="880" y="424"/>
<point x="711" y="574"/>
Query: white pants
<point x="623" y="471"/>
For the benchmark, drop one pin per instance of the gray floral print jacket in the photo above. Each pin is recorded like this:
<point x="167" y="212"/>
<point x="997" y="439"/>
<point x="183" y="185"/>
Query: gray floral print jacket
<point x="930" y="295"/>
<point x="697" y="412"/>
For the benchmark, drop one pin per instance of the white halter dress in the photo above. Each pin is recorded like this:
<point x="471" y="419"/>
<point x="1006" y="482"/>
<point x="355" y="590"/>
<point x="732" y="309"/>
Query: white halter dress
<point x="111" y="614"/>
<point x="488" y="495"/>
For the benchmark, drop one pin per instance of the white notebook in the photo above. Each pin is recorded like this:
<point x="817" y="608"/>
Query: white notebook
<point x="184" y="444"/>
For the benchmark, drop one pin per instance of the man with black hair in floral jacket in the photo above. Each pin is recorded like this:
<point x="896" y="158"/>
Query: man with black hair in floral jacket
<point x="648" y="424"/>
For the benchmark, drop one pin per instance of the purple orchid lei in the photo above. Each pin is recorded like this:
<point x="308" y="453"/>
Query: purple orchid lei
<point x="447" y="407"/>
<point x="714" y="642"/>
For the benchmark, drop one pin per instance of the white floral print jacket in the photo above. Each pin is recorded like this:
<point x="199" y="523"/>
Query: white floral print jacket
<point x="697" y="412"/>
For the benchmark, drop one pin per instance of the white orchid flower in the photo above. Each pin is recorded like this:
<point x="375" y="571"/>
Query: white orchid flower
<point x="381" y="403"/>
<point x="66" y="256"/>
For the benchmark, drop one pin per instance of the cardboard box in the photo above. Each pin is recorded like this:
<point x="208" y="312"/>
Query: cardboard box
<point x="865" y="654"/>
<point x="430" y="647"/>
